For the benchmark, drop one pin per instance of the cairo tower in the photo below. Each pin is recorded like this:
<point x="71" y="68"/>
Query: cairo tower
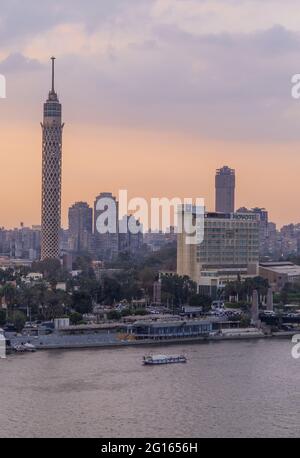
<point x="51" y="175"/>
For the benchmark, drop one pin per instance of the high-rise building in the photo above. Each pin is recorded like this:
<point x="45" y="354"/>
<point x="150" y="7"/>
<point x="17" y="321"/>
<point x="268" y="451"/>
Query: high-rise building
<point x="225" y="190"/>
<point x="263" y="229"/>
<point x="230" y="248"/>
<point x="80" y="226"/>
<point x="157" y="239"/>
<point x="52" y="128"/>
<point x="106" y="242"/>
<point x="273" y="241"/>
<point x="131" y="241"/>
<point x="21" y="243"/>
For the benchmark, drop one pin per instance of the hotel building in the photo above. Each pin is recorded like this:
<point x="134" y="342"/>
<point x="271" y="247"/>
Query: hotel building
<point x="230" y="248"/>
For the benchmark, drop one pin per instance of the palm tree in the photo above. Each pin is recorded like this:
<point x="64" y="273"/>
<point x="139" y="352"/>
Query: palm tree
<point x="9" y="293"/>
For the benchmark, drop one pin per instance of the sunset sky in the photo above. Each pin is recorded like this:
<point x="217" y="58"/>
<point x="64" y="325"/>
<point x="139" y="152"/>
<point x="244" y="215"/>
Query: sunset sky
<point x="156" y="95"/>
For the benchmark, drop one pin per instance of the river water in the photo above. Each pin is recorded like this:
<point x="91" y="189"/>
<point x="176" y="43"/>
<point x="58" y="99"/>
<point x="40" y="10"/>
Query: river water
<point x="227" y="389"/>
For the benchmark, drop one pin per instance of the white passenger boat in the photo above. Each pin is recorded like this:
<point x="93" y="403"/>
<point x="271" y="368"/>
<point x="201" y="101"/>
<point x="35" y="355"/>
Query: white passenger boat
<point x="163" y="359"/>
<point x="22" y="348"/>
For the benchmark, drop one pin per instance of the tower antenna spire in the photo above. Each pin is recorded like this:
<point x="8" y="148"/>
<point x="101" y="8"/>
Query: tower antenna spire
<point x="53" y="60"/>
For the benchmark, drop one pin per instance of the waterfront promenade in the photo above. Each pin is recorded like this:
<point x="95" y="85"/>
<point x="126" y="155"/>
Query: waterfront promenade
<point x="111" y="340"/>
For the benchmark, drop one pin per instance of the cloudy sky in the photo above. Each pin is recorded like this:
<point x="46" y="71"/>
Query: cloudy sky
<point x="156" y="95"/>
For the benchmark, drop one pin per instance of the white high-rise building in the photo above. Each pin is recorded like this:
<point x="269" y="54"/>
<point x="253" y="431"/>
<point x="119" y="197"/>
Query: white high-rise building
<point x="230" y="248"/>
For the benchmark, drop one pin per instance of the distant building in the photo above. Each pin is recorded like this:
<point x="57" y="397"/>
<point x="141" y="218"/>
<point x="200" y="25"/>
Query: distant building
<point x="64" y="241"/>
<point x="282" y="243"/>
<point x="279" y="274"/>
<point x="157" y="239"/>
<point x="21" y="243"/>
<point x="106" y="245"/>
<point x="192" y="312"/>
<point x="80" y="227"/>
<point x="131" y="241"/>
<point x="68" y="261"/>
<point x="225" y="190"/>
<point x="61" y="286"/>
<point x="290" y="239"/>
<point x="7" y="262"/>
<point x="171" y="329"/>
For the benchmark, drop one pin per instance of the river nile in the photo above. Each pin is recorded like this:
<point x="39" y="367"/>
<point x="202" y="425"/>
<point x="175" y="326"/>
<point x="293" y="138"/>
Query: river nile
<point x="227" y="389"/>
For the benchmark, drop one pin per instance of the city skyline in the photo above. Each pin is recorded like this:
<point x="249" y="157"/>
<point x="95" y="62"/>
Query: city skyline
<point x="149" y="217"/>
<point x="123" y="110"/>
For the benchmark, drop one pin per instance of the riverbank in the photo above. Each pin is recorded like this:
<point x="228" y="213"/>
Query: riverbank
<point x="90" y="342"/>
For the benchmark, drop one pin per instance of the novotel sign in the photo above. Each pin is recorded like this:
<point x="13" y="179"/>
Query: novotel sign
<point x="235" y="216"/>
<point x="245" y="216"/>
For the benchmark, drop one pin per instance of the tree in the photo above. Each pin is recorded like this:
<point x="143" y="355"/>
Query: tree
<point x="39" y="293"/>
<point x="90" y="286"/>
<point x="178" y="290"/>
<point x="140" y="312"/>
<point x="50" y="268"/>
<point x="164" y="259"/>
<point x="130" y="286"/>
<point x="245" y="288"/>
<point x="28" y="297"/>
<point x="111" y="291"/>
<point x="147" y="276"/>
<point x="9" y="292"/>
<point x="245" y="321"/>
<point x="82" y="302"/>
<point x="19" y="320"/>
<point x="2" y="317"/>
<point x="199" y="300"/>
<point x="75" y="318"/>
<point x="114" y="315"/>
<point x="7" y="275"/>
<point x="54" y="304"/>
<point x="126" y="312"/>
<point x="83" y="262"/>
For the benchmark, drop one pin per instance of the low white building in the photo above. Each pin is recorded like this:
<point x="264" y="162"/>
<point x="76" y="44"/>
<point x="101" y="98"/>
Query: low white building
<point x="32" y="277"/>
<point x="61" y="287"/>
<point x="61" y="323"/>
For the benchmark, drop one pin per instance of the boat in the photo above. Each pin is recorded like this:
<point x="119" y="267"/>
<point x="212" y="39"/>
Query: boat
<point x="29" y="347"/>
<point x="22" y="348"/>
<point x="154" y="360"/>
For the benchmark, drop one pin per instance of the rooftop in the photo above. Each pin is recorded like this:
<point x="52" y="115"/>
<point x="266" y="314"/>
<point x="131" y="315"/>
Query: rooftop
<point x="163" y="324"/>
<point x="284" y="268"/>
